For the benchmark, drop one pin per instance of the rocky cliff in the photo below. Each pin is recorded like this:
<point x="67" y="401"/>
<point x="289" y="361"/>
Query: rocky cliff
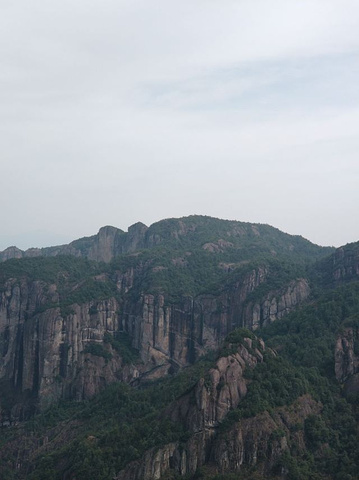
<point x="345" y="262"/>
<point x="262" y="440"/>
<point x="347" y="359"/>
<point x="275" y="304"/>
<point x="47" y="355"/>
<point x="200" y="411"/>
<point x="70" y="327"/>
<point x="100" y="247"/>
<point x="342" y="266"/>
<point x="53" y="338"/>
<point x="259" y="441"/>
<point x="49" y="352"/>
<point x="182" y="332"/>
<point x="345" y="268"/>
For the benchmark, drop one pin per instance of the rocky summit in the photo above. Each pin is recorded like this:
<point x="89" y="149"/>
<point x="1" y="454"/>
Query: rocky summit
<point x="192" y="348"/>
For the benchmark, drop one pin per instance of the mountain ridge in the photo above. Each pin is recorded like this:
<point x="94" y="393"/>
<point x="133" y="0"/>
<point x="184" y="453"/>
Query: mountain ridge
<point x="111" y="241"/>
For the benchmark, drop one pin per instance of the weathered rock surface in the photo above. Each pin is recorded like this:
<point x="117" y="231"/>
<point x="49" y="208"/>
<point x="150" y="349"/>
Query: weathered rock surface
<point x="208" y="403"/>
<point x="258" y="441"/>
<point x="182" y="332"/>
<point x="345" y="262"/>
<point x="44" y="352"/>
<point x="276" y="304"/>
<point x="200" y="411"/>
<point x="45" y="355"/>
<point x="101" y="247"/>
<point x="11" y="252"/>
<point x="347" y="359"/>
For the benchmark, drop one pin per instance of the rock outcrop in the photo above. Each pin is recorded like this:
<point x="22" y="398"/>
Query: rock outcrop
<point x="200" y="411"/>
<point x="275" y="304"/>
<point x="345" y="263"/>
<point x="340" y="267"/>
<point x="259" y="441"/>
<point x="205" y="406"/>
<point x="179" y="334"/>
<point x="347" y="359"/>
<point x="11" y="252"/>
<point x="48" y="352"/>
<point x="47" y="355"/>
<point x="101" y="247"/>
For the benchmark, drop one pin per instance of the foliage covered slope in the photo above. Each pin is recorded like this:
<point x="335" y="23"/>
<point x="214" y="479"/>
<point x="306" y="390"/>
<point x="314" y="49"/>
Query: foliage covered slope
<point x="97" y="438"/>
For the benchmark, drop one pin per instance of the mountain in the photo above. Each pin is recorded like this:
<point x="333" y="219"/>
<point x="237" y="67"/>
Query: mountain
<point x="193" y="231"/>
<point x="132" y="355"/>
<point x="174" y="301"/>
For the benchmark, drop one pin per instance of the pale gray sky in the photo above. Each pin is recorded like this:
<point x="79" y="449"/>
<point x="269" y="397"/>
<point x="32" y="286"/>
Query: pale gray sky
<point x="118" y="111"/>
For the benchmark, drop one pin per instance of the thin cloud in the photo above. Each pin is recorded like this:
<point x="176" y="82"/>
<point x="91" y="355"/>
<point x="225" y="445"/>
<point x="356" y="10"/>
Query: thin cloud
<point x="133" y="110"/>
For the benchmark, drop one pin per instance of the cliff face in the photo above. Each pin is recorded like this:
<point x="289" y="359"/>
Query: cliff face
<point x="50" y="352"/>
<point x="345" y="263"/>
<point x="48" y="355"/>
<point x="340" y="267"/>
<point x="211" y="399"/>
<point x="184" y="331"/>
<point x="275" y="304"/>
<point x="347" y="359"/>
<point x="101" y="247"/>
<point x="53" y="348"/>
<point x="261" y="441"/>
<point x="258" y="441"/>
<point x="200" y="411"/>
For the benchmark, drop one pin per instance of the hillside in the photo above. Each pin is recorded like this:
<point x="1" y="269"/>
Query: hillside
<point x="144" y="364"/>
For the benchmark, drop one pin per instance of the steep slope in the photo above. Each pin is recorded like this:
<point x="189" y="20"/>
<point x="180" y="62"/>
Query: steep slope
<point x="100" y="247"/>
<point x="165" y="436"/>
<point x="347" y="356"/>
<point x="68" y="328"/>
<point x="250" y="413"/>
<point x="72" y="329"/>
<point x="44" y="342"/>
<point x="339" y="268"/>
<point x="200" y="412"/>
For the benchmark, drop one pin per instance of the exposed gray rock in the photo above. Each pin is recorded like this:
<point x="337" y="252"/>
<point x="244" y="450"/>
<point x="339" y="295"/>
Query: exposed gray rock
<point x="345" y="262"/>
<point x="45" y="354"/>
<point x="44" y="348"/>
<point x="276" y="304"/>
<point x="259" y="441"/>
<point x="200" y="411"/>
<point x="347" y="359"/>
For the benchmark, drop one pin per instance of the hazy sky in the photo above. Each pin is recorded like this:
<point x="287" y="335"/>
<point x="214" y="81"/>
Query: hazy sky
<point x="118" y="111"/>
